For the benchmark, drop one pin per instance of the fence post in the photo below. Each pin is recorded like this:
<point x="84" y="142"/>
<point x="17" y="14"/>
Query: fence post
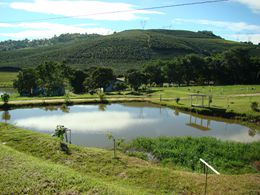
<point x="205" y="168"/>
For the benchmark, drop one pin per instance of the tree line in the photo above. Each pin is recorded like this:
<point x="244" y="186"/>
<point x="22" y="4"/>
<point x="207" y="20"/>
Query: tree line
<point x="52" y="78"/>
<point x="234" y="66"/>
<point x="26" y="43"/>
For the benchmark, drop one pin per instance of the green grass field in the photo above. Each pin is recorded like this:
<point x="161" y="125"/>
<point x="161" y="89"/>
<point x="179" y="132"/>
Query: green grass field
<point x="235" y="99"/>
<point x="6" y="79"/>
<point x="32" y="163"/>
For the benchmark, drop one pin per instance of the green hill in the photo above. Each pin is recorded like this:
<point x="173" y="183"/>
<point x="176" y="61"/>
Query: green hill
<point x="122" y="50"/>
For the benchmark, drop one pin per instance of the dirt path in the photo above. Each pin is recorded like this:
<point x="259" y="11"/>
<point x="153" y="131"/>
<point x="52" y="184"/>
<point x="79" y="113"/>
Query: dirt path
<point x="245" y="95"/>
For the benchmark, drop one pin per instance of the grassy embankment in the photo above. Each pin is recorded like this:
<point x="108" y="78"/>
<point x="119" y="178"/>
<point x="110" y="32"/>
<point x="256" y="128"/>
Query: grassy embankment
<point x="33" y="163"/>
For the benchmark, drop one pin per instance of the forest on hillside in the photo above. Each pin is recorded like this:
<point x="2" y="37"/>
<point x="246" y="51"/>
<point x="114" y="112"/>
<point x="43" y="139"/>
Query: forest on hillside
<point x="121" y="51"/>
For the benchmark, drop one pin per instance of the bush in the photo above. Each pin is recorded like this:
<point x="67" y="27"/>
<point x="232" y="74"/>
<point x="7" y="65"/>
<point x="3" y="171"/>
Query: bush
<point x="5" y="98"/>
<point x="254" y="106"/>
<point x="177" y="100"/>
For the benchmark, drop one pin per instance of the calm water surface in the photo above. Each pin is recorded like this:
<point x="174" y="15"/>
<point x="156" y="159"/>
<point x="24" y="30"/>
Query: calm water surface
<point x="91" y="123"/>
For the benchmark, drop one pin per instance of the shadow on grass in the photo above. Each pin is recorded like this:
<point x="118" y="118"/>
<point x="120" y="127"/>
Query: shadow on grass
<point x="149" y="91"/>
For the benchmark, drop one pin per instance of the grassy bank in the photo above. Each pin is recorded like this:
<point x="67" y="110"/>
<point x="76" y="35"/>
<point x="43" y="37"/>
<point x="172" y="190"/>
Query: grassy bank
<point x="24" y="174"/>
<point x="227" y="157"/>
<point x="39" y="156"/>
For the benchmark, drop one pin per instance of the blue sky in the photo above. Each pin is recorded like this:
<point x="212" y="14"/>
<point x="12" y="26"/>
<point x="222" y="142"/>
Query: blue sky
<point x="237" y="20"/>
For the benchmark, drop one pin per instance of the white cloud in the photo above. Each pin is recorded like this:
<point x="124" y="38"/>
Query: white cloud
<point x="232" y="26"/>
<point x="239" y="31"/>
<point x="83" y="9"/>
<point x="254" y="38"/>
<point x="254" y="5"/>
<point x="47" y="30"/>
<point x="85" y="121"/>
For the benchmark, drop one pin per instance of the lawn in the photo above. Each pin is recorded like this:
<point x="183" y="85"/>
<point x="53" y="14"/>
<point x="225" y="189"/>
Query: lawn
<point x="235" y="99"/>
<point x="33" y="163"/>
<point x="6" y="78"/>
<point x="218" y="91"/>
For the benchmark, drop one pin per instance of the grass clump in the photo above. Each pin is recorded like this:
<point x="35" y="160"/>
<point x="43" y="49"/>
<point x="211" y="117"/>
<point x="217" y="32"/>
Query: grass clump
<point x="227" y="157"/>
<point x="254" y="106"/>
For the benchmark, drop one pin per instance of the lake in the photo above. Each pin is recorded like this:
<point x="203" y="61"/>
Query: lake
<point x="90" y="124"/>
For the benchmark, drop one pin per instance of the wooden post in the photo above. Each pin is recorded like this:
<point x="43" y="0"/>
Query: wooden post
<point x="206" y="166"/>
<point x="70" y="136"/>
<point x="206" y="182"/>
<point x="66" y="136"/>
<point x="160" y="97"/>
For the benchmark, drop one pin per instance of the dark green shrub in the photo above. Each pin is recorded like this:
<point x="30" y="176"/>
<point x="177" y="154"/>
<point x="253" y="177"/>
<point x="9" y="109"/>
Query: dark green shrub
<point x="178" y="100"/>
<point x="5" y="98"/>
<point x="254" y="106"/>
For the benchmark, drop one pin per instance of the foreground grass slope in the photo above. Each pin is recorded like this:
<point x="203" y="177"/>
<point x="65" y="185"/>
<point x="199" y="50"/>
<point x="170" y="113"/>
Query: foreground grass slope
<point x="24" y="174"/>
<point x="125" y="174"/>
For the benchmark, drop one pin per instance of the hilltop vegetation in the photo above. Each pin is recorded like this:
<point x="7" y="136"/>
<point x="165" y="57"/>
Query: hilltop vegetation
<point x="121" y="50"/>
<point x="26" y="43"/>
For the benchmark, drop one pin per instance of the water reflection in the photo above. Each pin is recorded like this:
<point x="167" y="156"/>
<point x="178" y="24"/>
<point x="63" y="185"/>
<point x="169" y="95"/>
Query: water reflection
<point x="91" y="123"/>
<point x="64" y="108"/>
<point x="199" y="123"/>
<point x="6" y="116"/>
<point x="102" y="107"/>
<point x="252" y="132"/>
<point x="99" y="122"/>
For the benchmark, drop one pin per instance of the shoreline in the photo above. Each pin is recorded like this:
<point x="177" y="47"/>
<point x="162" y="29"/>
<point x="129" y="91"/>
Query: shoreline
<point x="250" y="121"/>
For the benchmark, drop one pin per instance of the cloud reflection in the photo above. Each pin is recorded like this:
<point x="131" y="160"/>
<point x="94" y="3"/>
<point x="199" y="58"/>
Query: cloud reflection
<point x="84" y="121"/>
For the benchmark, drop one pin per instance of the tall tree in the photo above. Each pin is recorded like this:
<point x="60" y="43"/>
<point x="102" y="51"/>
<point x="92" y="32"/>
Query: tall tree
<point x="135" y="78"/>
<point x="52" y="77"/>
<point x="99" y="77"/>
<point x="102" y="76"/>
<point x="154" y="73"/>
<point x="77" y="81"/>
<point x="26" y="81"/>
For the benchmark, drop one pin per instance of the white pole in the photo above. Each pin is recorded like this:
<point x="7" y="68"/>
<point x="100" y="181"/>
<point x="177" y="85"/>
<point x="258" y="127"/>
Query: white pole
<point x="209" y="166"/>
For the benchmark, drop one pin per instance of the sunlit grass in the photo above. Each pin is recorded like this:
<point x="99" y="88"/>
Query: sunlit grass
<point x="33" y="162"/>
<point x="6" y="79"/>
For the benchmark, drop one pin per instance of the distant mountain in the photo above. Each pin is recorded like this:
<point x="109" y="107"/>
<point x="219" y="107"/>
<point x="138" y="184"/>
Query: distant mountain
<point x="123" y="50"/>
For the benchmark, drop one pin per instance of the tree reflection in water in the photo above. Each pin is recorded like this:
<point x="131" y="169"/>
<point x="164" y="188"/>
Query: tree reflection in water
<point x="6" y="116"/>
